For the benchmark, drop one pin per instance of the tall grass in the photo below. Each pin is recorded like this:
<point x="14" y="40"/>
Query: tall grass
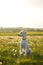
<point x="9" y="51"/>
<point x="16" y="33"/>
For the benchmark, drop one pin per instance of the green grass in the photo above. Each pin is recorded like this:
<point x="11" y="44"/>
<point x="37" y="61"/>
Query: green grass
<point x="9" y="57"/>
<point x="16" y="33"/>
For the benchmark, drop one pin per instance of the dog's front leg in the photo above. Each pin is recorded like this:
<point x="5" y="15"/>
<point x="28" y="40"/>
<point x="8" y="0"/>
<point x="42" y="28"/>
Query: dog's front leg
<point x="20" y="50"/>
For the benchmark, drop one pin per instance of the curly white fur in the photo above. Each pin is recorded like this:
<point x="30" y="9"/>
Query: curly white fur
<point x="23" y="43"/>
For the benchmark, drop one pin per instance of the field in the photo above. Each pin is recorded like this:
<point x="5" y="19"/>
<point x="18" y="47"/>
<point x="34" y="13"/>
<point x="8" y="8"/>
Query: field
<point x="16" y="33"/>
<point x="9" y="50"/>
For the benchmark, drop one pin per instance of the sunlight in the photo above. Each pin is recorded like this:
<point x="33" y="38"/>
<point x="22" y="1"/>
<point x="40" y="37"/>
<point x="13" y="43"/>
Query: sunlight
<point x="21" y="13"/>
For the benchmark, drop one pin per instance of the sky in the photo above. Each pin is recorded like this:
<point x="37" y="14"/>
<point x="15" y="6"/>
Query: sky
<point x="21" y="13"/>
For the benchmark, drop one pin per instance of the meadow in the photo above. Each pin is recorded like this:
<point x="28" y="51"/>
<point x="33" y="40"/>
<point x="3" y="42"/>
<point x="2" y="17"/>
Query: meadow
<point x="16" y="33"/>
<point x="9" y="49"/>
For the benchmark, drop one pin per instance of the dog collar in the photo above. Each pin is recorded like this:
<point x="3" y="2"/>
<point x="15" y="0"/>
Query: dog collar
<point x="23" y="38"/>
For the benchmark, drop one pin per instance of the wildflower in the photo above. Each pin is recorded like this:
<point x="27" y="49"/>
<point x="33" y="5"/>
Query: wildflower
<point x="0" y="63"/>
<point x="14" y="54"/>
<point x="13" y="49"/>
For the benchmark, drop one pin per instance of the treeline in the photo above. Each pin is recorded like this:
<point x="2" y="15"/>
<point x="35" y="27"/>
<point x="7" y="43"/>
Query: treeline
<point x="20" y="28"/>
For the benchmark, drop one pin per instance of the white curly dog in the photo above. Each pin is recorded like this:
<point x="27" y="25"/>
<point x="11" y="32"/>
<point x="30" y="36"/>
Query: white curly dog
<point x="24" y="49"/>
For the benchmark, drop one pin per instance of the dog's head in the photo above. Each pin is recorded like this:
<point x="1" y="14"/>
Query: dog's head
<point x="22" y="33"/>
